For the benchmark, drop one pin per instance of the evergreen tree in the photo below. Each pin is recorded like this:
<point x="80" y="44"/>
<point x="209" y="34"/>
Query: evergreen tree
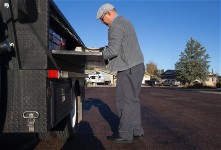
<point x="193" y="63"/>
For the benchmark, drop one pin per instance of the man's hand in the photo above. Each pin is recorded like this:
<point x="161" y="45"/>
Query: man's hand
<point x="103" y="48"/>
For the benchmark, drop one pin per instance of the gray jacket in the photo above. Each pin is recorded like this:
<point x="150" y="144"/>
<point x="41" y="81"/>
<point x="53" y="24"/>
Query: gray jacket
<point x="123" y="50"/>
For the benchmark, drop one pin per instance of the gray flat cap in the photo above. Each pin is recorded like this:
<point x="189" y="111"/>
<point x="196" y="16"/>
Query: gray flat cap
<point x="104" y="9"/>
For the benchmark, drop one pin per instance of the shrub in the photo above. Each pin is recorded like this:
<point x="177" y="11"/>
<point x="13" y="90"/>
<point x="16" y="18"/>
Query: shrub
<point x="218" y="84"/>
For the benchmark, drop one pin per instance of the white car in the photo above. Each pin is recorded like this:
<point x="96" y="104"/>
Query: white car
<point x="171" y="82"/>
<point x="98" y="79"/>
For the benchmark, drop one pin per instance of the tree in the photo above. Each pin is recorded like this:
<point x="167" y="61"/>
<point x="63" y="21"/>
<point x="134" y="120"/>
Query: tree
<point x="151" y="68"/>
<point x="193" y="63"/>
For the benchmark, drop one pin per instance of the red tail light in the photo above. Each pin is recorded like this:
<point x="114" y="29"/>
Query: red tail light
<point x="53" y="74"/>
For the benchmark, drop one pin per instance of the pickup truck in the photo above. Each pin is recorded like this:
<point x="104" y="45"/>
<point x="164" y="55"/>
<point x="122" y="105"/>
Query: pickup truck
<point x="42" y="74"/>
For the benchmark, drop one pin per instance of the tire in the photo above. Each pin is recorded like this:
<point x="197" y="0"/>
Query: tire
<point x="70" y="125"/>
<point x="71" y="122"/>
<point x="46" y="136"/>
<point x="60" y="135"/>
<point x="67" y="132"/>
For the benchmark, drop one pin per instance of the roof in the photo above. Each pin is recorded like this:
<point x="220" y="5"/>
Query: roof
<point x="168" y="74"/>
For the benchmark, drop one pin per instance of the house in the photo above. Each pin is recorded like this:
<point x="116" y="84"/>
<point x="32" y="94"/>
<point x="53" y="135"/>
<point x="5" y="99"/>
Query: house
<point x="147" y="76"/>
<point x="168" y="74"/>
<point x="211" y="80"/>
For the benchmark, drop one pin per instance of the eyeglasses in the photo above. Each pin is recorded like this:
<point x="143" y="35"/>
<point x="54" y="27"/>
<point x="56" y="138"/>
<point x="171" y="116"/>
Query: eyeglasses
<point x="102" y="17"/>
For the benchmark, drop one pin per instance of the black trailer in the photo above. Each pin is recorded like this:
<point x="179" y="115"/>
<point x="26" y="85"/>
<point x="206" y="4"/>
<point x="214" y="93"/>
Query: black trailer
<point x="42" y="76"/>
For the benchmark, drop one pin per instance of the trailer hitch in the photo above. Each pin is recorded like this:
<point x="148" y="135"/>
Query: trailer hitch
<point x="5" y="47"/>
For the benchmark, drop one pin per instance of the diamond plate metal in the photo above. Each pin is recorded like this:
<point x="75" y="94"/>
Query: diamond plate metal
<point x="26" y="92"/>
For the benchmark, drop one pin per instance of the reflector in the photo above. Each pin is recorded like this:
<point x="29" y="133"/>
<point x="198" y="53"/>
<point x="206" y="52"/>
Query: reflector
<point x="53" y="74"/>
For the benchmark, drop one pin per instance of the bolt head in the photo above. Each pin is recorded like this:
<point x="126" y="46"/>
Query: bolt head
<point x="6" y="5"/>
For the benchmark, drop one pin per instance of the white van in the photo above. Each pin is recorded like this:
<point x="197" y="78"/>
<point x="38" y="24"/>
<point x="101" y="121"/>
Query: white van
<point x="98" y="79"/>
<point x="171" y="82"/>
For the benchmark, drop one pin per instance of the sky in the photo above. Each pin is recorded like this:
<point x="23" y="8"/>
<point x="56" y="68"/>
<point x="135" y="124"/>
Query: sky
<point x="163" y="27"/>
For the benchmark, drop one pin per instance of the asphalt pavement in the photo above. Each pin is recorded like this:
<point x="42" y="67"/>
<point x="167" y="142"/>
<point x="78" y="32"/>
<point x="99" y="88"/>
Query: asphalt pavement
<point x="173" y="119"/>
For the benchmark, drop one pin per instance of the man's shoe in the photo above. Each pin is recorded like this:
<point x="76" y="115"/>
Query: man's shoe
<point x="136" y="137"/>
<point x="118" y="139"/>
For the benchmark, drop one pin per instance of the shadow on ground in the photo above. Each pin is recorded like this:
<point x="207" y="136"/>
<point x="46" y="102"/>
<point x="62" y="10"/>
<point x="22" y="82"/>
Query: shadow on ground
<point x="84" y="139"/>
<point x="106" y="113"/>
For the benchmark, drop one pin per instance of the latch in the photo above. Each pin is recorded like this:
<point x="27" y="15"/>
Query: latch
<point x="63" y="95"/>
<point x="31" y="116"/>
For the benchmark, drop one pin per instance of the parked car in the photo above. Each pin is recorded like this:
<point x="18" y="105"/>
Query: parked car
<point x="97" y="79"/>
<point x="153" y="82"/>
<point x="171" y="82"/>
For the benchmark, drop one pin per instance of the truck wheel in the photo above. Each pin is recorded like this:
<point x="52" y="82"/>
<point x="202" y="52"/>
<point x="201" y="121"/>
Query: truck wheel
<point x="70" y="126"/>
<point x="61" y="135"/>
<point x="50" y="135"/>
<point x="71" y="121"/>
<point x="67" y="132"/>
<point x="75" y="117"/>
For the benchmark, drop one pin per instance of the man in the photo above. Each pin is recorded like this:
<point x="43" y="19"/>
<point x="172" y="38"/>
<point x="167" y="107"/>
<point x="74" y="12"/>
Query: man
<point x="125" y="57"/>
